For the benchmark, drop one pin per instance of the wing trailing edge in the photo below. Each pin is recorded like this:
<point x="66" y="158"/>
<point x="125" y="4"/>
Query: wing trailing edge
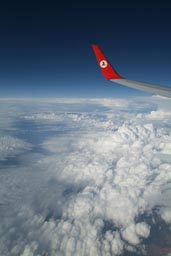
<point x="110" y="74"/>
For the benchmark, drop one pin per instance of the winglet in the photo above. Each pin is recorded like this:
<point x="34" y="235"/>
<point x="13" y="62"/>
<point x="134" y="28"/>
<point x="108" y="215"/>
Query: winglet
<point x="105" y="67"/>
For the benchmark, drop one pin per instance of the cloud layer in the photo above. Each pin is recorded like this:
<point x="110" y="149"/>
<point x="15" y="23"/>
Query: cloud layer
<point x="90" y="192"/>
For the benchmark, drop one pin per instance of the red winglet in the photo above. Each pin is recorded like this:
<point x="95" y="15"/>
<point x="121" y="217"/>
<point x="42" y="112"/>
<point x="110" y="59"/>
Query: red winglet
<point x="105" y="67"/>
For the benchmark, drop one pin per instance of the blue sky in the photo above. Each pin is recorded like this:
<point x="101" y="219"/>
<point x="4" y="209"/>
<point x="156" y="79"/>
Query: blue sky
<point x="46" y="50"/>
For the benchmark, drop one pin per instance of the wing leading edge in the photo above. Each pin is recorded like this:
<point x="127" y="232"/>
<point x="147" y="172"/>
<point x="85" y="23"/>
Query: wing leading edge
<point x="110" y="74"/>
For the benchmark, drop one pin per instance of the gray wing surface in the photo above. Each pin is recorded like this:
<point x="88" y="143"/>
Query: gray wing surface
<point x="152" y="88"/>
<point x="110" y="74"/>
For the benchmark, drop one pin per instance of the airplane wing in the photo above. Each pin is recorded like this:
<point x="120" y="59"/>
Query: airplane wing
<point x="110" y="74"/>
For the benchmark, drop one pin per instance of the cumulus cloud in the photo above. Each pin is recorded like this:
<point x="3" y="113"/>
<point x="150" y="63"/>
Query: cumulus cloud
<point x="159" y="115"/>
<point x="166" y="214"/>
<point x="90" y="191"/>
<point x="134" y="232"/>
<point x="11" y="146"/>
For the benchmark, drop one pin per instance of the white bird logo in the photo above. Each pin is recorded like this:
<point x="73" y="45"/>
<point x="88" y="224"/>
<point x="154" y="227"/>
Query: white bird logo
<point x="103" y="63"/>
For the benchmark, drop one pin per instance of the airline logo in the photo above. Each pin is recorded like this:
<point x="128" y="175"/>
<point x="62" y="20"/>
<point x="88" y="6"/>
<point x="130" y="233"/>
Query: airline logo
<point x="103" y="63"/>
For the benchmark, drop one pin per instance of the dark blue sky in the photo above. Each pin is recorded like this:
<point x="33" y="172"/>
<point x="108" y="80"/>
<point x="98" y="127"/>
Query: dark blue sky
<point x="45" y="46"/>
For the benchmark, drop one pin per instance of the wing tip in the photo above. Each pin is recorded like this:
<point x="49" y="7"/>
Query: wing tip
<point x="106" y="68"/>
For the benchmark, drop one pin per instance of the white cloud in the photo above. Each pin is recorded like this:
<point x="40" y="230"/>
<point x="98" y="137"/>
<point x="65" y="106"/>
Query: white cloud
<point x="159" y="115"/>
<point x="130" y="235"/>
<point x="11" y="146"/>
<point x="88" y="195"/>
<point x="112" y="244"/>
<point x="166" y="214"/>
<point x="135" y="232"/>
<point x="115" y="169"/>
<point x="142" y="229"/>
